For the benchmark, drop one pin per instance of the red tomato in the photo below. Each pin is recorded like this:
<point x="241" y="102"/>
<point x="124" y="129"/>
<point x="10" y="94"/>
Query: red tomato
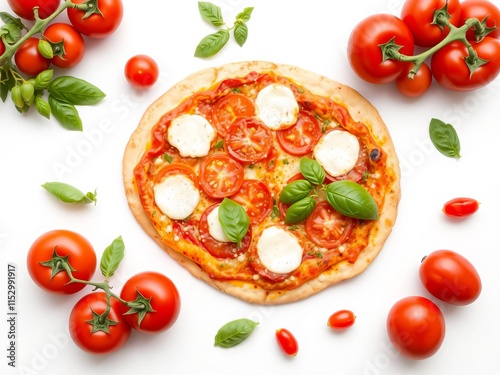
<point x="248" y="140"/>
<point x="161" y="293"/>
<point x="80" y="255"/>
<point x="256" y="199"/>
<point x="287" y="342"/>
<point x="92" y="331"/>
<point x="450" y="277"/>
<point x="97" y="25"/>
<point x="220" y="175"/>
<point x="29" y="60"/>
<point x="69" y="44"/>
<point x="416" y="327"/>
<point x="451" y="71"/>
<point x="326" y="227"/>
<point x="419" y="16"/>
<point x="460" y="207"/>
<point x="141" y="71"/>
<point x="482" y="10"/>
<point x="2" y="47"/>
<point x="416" y="86"/>
<point x="302" y="137"/>
<point x="365" y="54"/>
<point x="174" y="169"/>
<point x="227" y="109"/>
<point x="24" y="8"/>
<point x="341" y="320"/>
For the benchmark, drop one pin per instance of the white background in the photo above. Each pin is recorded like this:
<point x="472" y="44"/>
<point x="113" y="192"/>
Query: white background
<point x="312" y="34"/>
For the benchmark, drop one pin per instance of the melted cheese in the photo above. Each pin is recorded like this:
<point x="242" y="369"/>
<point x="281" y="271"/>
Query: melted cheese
<point x="337" y="152"/>
<point x="276" y="107"/>
<point x="176" y="196"/>
<point x="278" y="250"/>
<point x="192" y="135"/>
<point x="215" y="227"/>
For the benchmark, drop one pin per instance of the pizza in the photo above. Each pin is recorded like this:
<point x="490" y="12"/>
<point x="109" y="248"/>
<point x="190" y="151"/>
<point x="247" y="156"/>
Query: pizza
<point x="267" y="181"/>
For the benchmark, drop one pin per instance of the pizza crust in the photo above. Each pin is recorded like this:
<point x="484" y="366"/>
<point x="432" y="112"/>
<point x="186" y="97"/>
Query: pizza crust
<point x="359" y="108"/>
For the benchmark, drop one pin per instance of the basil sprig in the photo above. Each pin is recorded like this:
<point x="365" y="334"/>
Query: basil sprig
<point x="234" y="332"/>
<point x="445" y="138"/>
<point x="69" y="194"/>
<point x="234" y="220"/>
<point x="351" y="199"/>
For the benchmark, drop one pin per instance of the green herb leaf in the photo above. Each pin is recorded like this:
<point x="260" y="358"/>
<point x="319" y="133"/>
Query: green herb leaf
<point x="299" y="211"/>
<point x="9" y="19"/>
<point x="312" y="171"/>
<point x="10" y="33"/>
<point x="240" y="33"/>
<point x="75" y="91"/>
<point x="234" y="220"/>
<point x="295" y="191"/>
<point x="234" y="332"/>
<point x="68" y="193"/>
<point x="211" y="13"/>
<point x="42" y="80"/>
<point x="7" y="82"/>
<point x="111" y="257"/>
<point x="445" y="138"/>
<point x="66" y="114"/>
<point x="351" y="199"/>
<point x="211" y="44"/>
<point x="42" y="107"/>
<point x="245" y="15"/>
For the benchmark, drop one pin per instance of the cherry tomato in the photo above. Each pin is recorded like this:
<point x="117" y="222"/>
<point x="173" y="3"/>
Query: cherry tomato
<point x="287" y="342"/>
<point x="227" y="109"/>
<point x="341" y="320"/>
<point x="416" y="327"/>
<point x="482" y="10"/>
<point x="461" y="207"/>
<point x="176" y="168"/>
<point x="449" y="66"/>
<point x="418" y="85"/>
<point x="92" y="331"/>
<point x="29" y="60"/>
<point x="141" y="71"/>
<point x="162" y="295"/>
<point x="69" y="44"/>
<point x="100" y="24"/>
<point x="302" y="137"/>
<point x="80" y="255"/>
<point x="248" y="140"/>
<point x="419" y="16"/>
<point x="450" y="277"/>
<point x="24" y="8"/>
<point x="256" y="199"/>
<point x="365" y="54"/>
<point x="220" y="175"/>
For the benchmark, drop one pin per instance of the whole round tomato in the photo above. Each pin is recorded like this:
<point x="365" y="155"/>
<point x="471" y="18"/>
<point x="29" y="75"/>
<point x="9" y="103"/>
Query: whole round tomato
<point x="416" y="86"/>
<point x="419" y="16"/>
<point x="416" y="327"/>
<point x="482" y="10"/>
<point x="29" y="60"/>
<point x="70" y="46"/>
<point x="450" y="277"/>
<point x="141" y="71"/>
<point x="94" y="332"/>
<point x="450" y="70"/>
<point x="364" y="52"/>
<point x="164" y="299"/>
<point x="24" y="8"/>
<point x="97" y="24"/>
<point x="63" y="243"/>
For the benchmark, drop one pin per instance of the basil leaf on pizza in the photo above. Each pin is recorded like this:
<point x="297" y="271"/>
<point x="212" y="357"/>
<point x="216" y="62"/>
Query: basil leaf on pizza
<point x="295" y="191"/>
<point x="234" y="220"/>
<point x="352" y="200"/>
<point x="312" y="171"/>
<point x="299" y="211"/>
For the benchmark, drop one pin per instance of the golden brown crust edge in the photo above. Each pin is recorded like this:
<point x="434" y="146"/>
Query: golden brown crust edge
<point x="359" y="108"/>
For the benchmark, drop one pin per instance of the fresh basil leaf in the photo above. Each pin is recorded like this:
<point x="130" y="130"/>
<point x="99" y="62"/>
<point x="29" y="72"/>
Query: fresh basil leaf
<point x="234" y="332"/>
<point x="240" y="33"/>
<point x="211" y="44"/>
<point x="351" y="199"/>
<point x="42" y="107"/>
<point x="445" y="138"/>
<point x="211" y="13"/>
<point x="245" y="15"/>
<point x="68" y="193"/>
<point x="111" y="257"/>
<point x="9" y="19"/>
<point x="234" y="220"/>
<point x="299" y="211"/>
<point x="312" y="171"/>
<point x="42" y="80"/>
<point x="295" y="191"/>
<point x="11" y="33"/>
<point x="75" y="91"/>
<point x="66" y="114"/>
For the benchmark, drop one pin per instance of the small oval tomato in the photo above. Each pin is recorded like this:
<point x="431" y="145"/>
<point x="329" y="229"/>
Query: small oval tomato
<point x="450" y="70"/>
<point x="450" y="277"/>
<point x="64" y="243"/>
<point x="287" y="342"/>
<point x="24" y="8"/>
<point x="484" y="11"/>
<point x="416" y="327"/>
<point x="96" y="332"/>
<point x="68" y="44"/>
<point x="164" y="302"/>
<point x="220" y="175"/>
<point x="341" y="320"/>
<point x="461" y="207"/>
<point x="227" y="109"/>
<point x="365" y="54"/>
<point x="141" y="71"/>
<point x="29" y="60"/>
<point x="98" y="24"/>
<point x="419" y="16"/>
<point x="300" y="138"/>
<point x="248" y="140"/>
<point x="416" y="86"/>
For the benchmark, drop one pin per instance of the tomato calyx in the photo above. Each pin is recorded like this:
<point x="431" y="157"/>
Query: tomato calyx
<point x="90" y="7"/>
<point x="57" y="263"/>
<point x="140" y="306"/>
<point x="101" y="322"/>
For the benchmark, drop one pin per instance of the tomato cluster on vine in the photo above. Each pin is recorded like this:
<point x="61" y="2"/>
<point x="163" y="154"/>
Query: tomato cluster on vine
<point x="460" y="41"/>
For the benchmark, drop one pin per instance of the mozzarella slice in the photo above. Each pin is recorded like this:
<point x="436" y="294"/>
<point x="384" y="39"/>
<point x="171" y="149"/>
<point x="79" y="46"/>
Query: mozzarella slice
<point x="192" y="135"/>
<point x="337" y="152"/>
<point x="277" y="107"/>
<point x="278" y="250"/>
<point x="176" y="196"/>
<point x="215" y="227"/>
